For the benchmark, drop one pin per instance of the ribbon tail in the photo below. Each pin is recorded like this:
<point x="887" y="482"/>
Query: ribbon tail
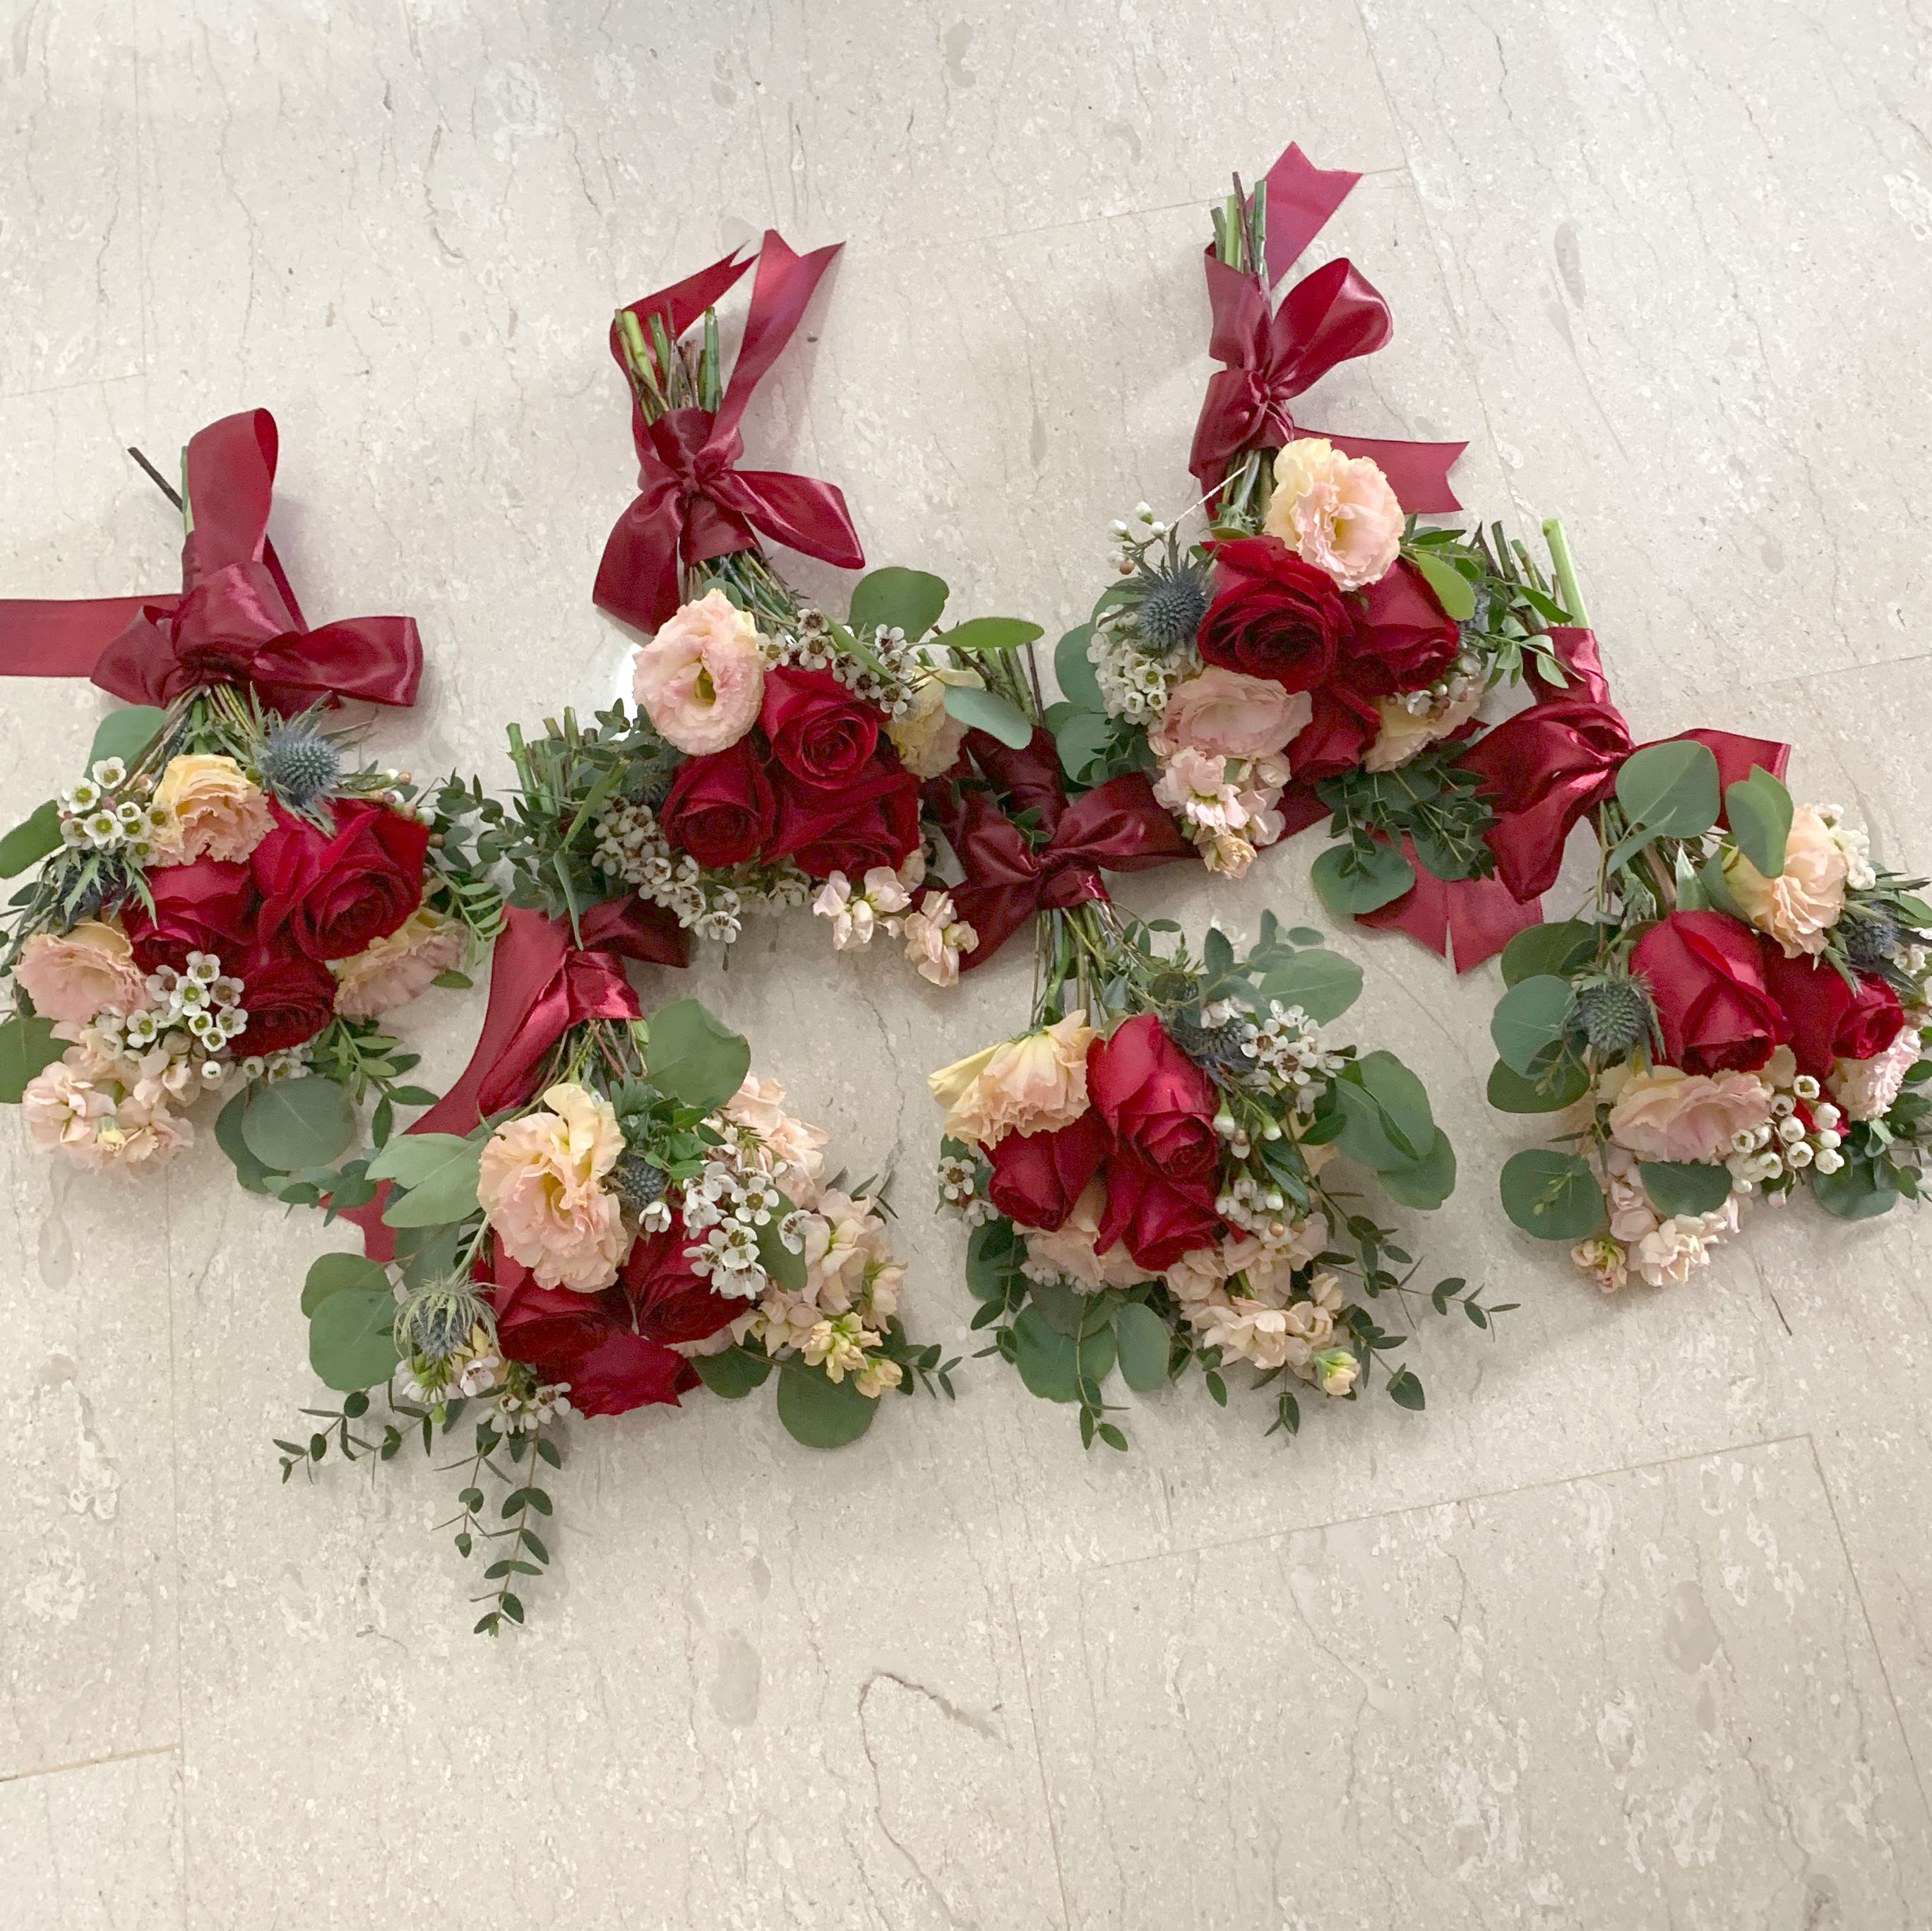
<point x="231" y="481"/>
<point x="1300" y="199"/>
<point x="682" y="303"/>
<point x="65" y="637"/>
<point x="780" y="293"/>
<point x="1736" y="754"/>
<point x="801" y="512"/>
<point x="1467" y="919"/>
<point x="636" y="578"/>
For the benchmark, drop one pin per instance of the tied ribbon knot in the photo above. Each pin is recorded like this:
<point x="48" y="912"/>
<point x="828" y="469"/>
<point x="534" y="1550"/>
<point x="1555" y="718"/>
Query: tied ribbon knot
<point x="235" y="620"/>
<point x="1119" y="826"/>
<point x="1543" y="769"/>
<point x="541" y="983"/>
<point x="693" y="501"/>
<point x="1271" y="355"/>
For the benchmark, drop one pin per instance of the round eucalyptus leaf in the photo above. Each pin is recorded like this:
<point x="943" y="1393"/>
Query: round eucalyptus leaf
<point x="1529" y="1018"/>
<point x="1141" y="1339"/>
<point x="338" y="1273"/>
<point x="1558" y="949"/>
<point x="693" y="1055"/>
<point x="1427" y="1182"/>
<point x="289" y="1124"/>
<point x="1549" y="1092"/>
<point x="733" y="1373"/>
<point x="1349" y="882"/>
<point x="896" y="599"/>
<point x="1684" y="1186"/>
<point x="1323" y="983"/>
<point x="819" y="1412"/>
<point x="1861" y="1190"/>
<point x="1670" y="789"/>
<point x="987" y="711"/>
<point x="1551" y="1195"/>
<point x="351" y="1342"/>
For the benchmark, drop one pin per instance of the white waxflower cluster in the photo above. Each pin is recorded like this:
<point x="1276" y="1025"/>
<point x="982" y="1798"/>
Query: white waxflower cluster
<point x="94" y="816"/>
<point x="1288" y="1052"/>
<point x="180" y="1040"/>
<point x="525" y="1406"/>
<point x="1773" y="1154"/>
<point x="729" y="1204"/>
<point x="1136" y="680"/>
<point x="631" y="846"/>
<point x="959" y="1189"/>
<point x="1855" y="841"/>
<point x="813" y="647"/>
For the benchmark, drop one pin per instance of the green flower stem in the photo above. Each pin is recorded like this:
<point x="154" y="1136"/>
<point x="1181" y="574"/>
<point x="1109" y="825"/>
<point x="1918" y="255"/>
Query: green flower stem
<point x="1568" y="592"/>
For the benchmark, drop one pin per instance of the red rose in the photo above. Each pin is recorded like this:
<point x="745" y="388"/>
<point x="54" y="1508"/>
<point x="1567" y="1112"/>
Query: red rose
<point x="1830" y="1019"/>
<point x="334" y="893"/>
<point x="1336" y="738"/>
<point x="1156" y="1217"/>
<point x="289" y="997"/>
<point x="1273" y="615"/>
<point x="1158" y="1105"/>
<point x="1403" y="638"/>
<point x="207" y="906"/>
<point x="818" y="731"/>
<point x="871" y="820"/>
<point x="1706" y="977"/>
<point x="1037" y="1177"/>
<point x="719" y="807"/>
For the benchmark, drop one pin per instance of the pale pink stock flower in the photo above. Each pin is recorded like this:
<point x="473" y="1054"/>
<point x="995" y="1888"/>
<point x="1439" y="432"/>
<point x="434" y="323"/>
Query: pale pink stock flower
<point x="1866" y="1088"/>
<point x="701" y="678"/>
<point x="212" y="808"/>
<point x="1223" y="714"/>
<point x="538" y="1183"/>
<point x="797" y="1148"/>
<point x="1036" y="1083"/>
<point x="1667" y="1256"/>
<point x="1801" y="906"/>
<point x="856" y="915"/>
<point x="1335" y="512"/>
<point x="73" y="975"/>
<point x="1667" y="1114"/>
<point x="1068" y="1249"/>
<point x="1403" y="733"/>
<point x="1603" y="1260"/>
<point x="935" y="935"/>
<point x="70" y="1108"/>
<point x="393" y="970"/>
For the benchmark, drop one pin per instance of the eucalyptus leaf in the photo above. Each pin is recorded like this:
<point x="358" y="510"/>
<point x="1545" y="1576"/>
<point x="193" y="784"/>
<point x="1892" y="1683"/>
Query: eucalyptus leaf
<point x="1684" y="1186"/>
<point x="35" y="837"/>
<point x="125" y="734"/>
<point x="992" y="1258"/>
<point x="1529" y="1018"/>
<point x="1549" y="1092"/>
<point x="27" y="1044"/>
<point x="1050" y="1364"/>
<point x="1670" y="789"/>
<point x="1067" y="1312"/>
<point x="1074" y="669"/>
<point x="1323" y="983"/>
<point x="897" y="599"/>
<point x="1759" y="809"/>
<point x="290" y="1123"/>
<point x="786" y="1268"/>
<point x="249" y="1171"/>
<point x="693" y="1055"/>
<point x="1551" y="1195"/>
<point x="1142" y="1342"/>
<point x="410" y="1158"/>
<point x="819" y="1412"/>
<point x="1350" y="884"/>
<point x="1557" y="949"/>
<point x="1426" y="1183"/>
<point x="446" y="1193"/>
<point x="987" y="711"/>
<point x="988" y="633"/>
<point x="339" y="1273"/>
<point x="1861" y="1190"/>
<point x="734" y="1373"/>
<point x="352" y="1343"/>
<point x="1084" y="739"/>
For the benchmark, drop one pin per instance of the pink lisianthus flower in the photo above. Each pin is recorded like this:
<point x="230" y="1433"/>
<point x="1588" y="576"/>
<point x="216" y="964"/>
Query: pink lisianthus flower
<point x="701" y="679"/>
<point x="1335" y="512"/>
<point x="72" y="975"/>
<point x="539" y="1181"/>
<point x="392" y="971"/>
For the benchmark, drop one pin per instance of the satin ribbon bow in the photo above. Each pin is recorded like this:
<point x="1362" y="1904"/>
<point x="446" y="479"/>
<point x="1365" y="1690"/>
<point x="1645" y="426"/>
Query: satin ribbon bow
<point x="1273" y="354"/>
<point x="1119" y="826"/>
<point x="541" y="984"/>
<point x="693" y="500"/>
<point x="1544" y="768"/>
<point x="235" y="620"/>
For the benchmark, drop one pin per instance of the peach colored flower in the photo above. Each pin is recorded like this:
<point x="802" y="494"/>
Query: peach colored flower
<point x="1224" y="713"/>
<point x="1604" y="1260"/>
<point x="1403" y="733"/>
<point x="1800" y="906"/>
<point x="1335" y="512"/>
<point x="72" y="975"/>
<point x="848" y="1263"/>
<point x="1068" y="1249"/>
<point x="538" y="1182"/>
<point x="1667" y="1256"/>
<point x="77" y="1107"/>
<point x="701" y="678"/>
<point x="927" y="737"/>
<point x="935" y="935"/>
<point x="1667" y="1114"/>
<point x="796" y="1149"/>
<point x="1866" y="1088"/>
<point x="393" y="970"/>
<point x="211" y="808"/>
<point x="1036" y="1083"/>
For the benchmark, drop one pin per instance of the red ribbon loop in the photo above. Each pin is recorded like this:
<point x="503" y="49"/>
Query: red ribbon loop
<point x="693" y="501"/>
<point x="1327" y="318"/>
<point x="236" y="619"/>
<point x="541" y="985"/>
<point x="1119" y="826"/>
<point x="1544" y="768"/>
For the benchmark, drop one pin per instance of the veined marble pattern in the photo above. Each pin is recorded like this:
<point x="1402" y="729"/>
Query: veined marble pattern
<point x="1629" y="1628"/>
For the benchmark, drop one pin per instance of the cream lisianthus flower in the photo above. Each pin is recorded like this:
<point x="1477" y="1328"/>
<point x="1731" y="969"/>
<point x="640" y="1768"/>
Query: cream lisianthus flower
<point x="71" y="975"/>
<point x="927" y="737"/>
<point x="1404" y="732"/>
<point x="701" y="678"/>
<point x="211" y="809"/>
<point x="1667" y="1114"/>
<point x="539" y="1183"/>
<point x="1036" y="1083"/>
<point x="392" y="971"/>
<point x="1335" y="512"/>
<point x="1801" y="906"/>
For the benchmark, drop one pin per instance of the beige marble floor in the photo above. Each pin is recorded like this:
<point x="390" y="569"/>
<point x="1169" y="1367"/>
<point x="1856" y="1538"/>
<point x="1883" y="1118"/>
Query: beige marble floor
<point x="1630" y="1630"/>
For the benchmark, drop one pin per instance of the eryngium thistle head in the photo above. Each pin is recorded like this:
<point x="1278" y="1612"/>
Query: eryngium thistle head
<point x="436" y="1320"/>
<point x="1172" y="603"/>
<point x="1215" y="1049"/>
<point x="1871" y="939"/>
<point x="636" y="1182"/>
<point x="1615" y="1014"/>
<point x="299" y="765"/>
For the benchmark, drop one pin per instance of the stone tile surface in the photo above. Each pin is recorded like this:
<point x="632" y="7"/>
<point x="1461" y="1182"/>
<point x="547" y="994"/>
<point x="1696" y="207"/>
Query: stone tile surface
<point x="1628" y="1625"/>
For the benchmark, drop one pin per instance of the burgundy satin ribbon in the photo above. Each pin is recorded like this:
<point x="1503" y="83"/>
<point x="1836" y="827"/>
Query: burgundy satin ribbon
<point x="236" y="619"/>
<point x="1273" y="354"/>
<point x="693" y="500"/>
<point x="541" y="985"/>
<point x="1119" y="826"/>
<point x="1542" y="770"/>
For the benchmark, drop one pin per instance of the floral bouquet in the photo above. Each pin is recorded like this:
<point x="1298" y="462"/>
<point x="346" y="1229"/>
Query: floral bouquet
<point x="221" y="906"/>
<point x="776" y="753"/>
<point x="1147" y="1172"/>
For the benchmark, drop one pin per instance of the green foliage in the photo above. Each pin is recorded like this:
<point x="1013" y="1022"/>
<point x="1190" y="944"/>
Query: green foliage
<point x="435" y="1176"/>
<point x="1530" y="1019"/>
<point x="734" y="1373"/>
<point x="1551" y="1194"/>
<point x="125" y="734"/>
<point x="30" y="841"/>
<point x="351" y="1339"/>
<point x="1144" y="1344"/>
<point x="251" y="1172"/>
<point x="1861" y="1190"/>
<point x="1759" y="809"/>
<point x="27" y="1044"/>
<point x="342" y="1273"/>
<point x="1425" y="1183"/>
<point x="897" y="599"/>
<point x="694" y="1056"/>
<point x="1549" y="1090"/>
<point x="1557" y="950"/>
<point x="1387" y="1122"/>
<point x="1073" y="669"/>
<point x="979" y="634"/>
<point x="986" y="710"/>
<point x="1684" y="1186"/>
<point x="1053" y="1364"/>
<point x="1454" y="590"/>
<point x="1323" y="983"/>
<point x="289" y="1124"/>
<point x="1667" y="790"/>
<point x="819" y="1412"/>
<point x="787" y="1268"/>
<point x="1361" y="877"/>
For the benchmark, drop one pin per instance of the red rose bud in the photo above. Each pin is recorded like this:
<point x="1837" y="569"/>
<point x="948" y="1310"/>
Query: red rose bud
<point x="1037" y="1177"/>
<point x="1273" y="615"/>
<point x="1706" y="977"/>
<point x="209" y="905"/>
<point x="819" y="731"/>
<point x="1829" y="1019"/>
<point x="719" y="808"/>
<point x="334" y="893"/>
<point x="1403" y="641"/>
<point x="1155" y="1216"/>
<point x="1158" y="1105"/>
<point x="289" y="997"/>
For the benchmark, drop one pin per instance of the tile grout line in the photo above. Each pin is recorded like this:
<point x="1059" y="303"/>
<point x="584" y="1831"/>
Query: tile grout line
<point x="1864" y="1610"/>
<point x="92" y="1763"/>
<point x="1448" y="1501"/>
